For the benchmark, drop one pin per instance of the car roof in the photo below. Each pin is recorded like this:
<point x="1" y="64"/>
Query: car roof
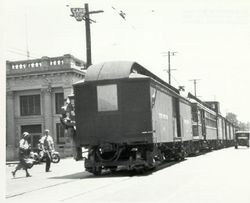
<point x="242" y="132"/>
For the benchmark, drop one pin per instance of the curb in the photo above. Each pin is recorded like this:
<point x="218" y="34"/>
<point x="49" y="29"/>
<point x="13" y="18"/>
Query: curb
<point x="12" y="162"/>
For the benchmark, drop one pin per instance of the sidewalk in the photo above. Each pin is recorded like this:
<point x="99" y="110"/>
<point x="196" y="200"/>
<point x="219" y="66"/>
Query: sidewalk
<point x="63" y="171"/>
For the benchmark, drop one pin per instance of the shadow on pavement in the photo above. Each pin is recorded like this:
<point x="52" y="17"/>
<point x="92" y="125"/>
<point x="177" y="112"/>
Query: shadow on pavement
<point x="79" y="175"/>
<point x="118" y="173"/>
<point x="244" y="148"/>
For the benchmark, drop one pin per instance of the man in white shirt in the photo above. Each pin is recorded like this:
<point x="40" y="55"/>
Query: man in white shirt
<point x="47" y="145"/>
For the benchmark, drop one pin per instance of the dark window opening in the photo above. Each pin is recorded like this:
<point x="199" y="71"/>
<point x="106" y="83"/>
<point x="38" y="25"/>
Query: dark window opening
<point x="59" y="102"/>
<point x="30" y="105"/>
<point x="60" y="134"/>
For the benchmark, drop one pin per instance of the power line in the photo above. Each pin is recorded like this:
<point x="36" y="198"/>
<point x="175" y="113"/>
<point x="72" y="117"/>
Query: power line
<point x="21" y="51"/>
<point x="122" y="14"/>
<point x="21" y="54"/>
<point x="175" y="80"/>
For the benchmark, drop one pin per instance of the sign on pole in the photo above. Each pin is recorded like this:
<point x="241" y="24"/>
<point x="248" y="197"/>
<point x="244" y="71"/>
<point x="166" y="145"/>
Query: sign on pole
<point x="78" y="13"/>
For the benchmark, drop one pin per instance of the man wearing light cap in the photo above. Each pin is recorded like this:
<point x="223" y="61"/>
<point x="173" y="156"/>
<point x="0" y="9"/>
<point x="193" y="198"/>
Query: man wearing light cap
<point x="24" y="151"/>
<point x="47" y="145"/>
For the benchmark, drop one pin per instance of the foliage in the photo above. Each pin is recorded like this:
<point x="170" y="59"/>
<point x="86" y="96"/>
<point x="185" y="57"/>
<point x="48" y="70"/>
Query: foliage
<point x="244" y="126"/>
<point x="232" y="118"/>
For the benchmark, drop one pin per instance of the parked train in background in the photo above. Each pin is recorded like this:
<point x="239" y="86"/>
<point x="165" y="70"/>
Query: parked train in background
<point x="127" y="116"/>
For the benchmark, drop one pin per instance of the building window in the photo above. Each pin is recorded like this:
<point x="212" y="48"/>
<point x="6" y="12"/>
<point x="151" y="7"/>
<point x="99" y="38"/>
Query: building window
<point x="107" y="98"/>
<point x="30" y="105"/>
<point x="60" y="135"/>
<point x="59" y="102"/>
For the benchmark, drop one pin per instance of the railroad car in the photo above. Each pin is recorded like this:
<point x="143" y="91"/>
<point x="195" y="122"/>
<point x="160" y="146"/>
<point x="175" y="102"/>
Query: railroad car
<point x="221" y="131"/>
<point x="210" y="129"/>
<point x="204" y="125"/>
<point x="229" y="131"/>
<point x="127" y="116"/>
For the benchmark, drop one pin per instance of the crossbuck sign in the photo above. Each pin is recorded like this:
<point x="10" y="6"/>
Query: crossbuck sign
<point x="78" y="13"/>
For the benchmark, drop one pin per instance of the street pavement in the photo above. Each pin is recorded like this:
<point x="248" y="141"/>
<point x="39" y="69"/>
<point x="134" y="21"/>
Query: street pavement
<point x="218" y="177"/>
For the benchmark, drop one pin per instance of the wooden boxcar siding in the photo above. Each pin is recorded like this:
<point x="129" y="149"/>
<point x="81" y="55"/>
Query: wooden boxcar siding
<point x="220" y="131"/>
<point x="162" y="115"/>
<point x="211" y="133"/>
<point x="211" y="130"/>
<point x="223" y="129"/>
<point x="227" y="131"/>
<point x="126" y="124"/>
<point x="186" y="120"/>
<point x="231" y="132"/>
<point x="197" y="132"/>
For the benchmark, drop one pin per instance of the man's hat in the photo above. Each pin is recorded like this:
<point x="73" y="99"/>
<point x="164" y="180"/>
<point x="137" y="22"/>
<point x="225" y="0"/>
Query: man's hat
<point x="46" y="130"/>
<point x="25" y="134"/>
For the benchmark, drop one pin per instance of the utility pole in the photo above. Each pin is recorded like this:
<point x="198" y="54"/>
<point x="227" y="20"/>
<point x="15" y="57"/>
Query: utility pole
<point x="88" y="36"/>
<point x="194" y="80"/>
<point x="83" y="14"/>
<point x="169" y="66"/>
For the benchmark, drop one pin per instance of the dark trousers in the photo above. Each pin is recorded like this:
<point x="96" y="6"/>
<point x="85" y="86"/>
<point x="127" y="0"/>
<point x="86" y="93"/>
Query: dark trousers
<point x="48" y="160"/>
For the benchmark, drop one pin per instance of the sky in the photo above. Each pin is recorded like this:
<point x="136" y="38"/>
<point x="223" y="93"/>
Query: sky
<point x="211" y="40"/>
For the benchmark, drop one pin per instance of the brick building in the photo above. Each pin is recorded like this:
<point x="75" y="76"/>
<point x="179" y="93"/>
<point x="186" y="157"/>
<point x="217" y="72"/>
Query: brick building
<point x="35" y="92"/>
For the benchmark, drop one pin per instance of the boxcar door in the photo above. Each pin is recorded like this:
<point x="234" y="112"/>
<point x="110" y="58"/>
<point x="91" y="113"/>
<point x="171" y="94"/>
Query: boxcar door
<point x="203" y="123"/>
<point x="176" y="117"/>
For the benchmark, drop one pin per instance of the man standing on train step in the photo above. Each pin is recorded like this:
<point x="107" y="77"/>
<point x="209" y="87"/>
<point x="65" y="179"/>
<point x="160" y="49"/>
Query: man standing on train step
<point x="47" y="145"/>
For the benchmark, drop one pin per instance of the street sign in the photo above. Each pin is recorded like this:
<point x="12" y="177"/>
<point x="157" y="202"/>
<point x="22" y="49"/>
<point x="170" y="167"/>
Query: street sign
<point x="78" y="13"/>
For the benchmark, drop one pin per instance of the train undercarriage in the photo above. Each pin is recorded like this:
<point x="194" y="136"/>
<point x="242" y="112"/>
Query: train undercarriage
<point x="143" y="157"/>
<point x="138" y="157"/>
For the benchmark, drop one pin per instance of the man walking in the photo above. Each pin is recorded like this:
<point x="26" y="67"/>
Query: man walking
<point x="47" y="145"/>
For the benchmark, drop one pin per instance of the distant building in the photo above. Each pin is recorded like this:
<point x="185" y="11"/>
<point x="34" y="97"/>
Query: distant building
<point x="35" y="93"/>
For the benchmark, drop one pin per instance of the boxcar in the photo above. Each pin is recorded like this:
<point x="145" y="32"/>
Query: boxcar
<point x="221" y="131"/>
<point x="127" y="116"/>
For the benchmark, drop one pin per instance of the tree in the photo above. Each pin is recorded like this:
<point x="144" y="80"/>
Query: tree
<point x="244" y="126"/>
<point x="232" y="118"/>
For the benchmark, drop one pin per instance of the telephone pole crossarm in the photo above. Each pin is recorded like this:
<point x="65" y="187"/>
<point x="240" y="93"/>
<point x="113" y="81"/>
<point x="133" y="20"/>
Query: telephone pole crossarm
<point x="169" y="53"/>
<point x="94" y="12"/>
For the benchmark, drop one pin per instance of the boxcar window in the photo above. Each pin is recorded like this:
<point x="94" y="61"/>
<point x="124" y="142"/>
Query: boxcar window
<point x="107" y="98"/>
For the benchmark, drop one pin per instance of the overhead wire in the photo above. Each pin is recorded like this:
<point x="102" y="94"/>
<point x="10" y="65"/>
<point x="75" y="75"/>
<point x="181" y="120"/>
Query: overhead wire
<point x="122" y="14"/>
<point x="22" y="53"/>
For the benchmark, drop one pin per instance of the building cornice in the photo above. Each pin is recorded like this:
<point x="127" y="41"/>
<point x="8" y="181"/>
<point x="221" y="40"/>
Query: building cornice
<point x="45" y="64"/>
<point x="46" y="73"/>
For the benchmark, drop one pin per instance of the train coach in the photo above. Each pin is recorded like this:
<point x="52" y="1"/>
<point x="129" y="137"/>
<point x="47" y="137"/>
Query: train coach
<point x="210" y="129"/>
<point x="127" y="116"/>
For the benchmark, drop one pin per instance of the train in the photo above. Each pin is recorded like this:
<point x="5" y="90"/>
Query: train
<point x="126" y="116"/>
